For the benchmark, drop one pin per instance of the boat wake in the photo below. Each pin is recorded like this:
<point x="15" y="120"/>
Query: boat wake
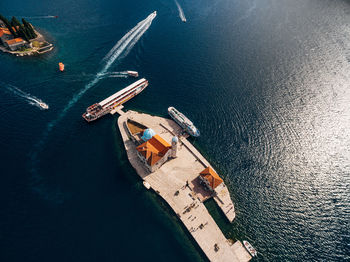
<point x="122" y="74"/>
<point x="118" y="76"/>
<point x="32" y="100"/>
<point x="181" y="12"/>
<point x="120" y="50"/>
<point x="246" y="14"/>
<point x="83" y="77"/>
<point x="41" y="17"/>
<point x="130" y="39"/>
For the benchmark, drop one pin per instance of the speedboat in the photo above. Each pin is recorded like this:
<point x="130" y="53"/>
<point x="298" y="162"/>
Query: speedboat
<point x="43" y="105"/>
<point x="132" y="73"/>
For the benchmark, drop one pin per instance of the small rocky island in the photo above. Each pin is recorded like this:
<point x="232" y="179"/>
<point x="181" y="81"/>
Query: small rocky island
<point x="178" y="173"/>
<point x="21" y="39"/>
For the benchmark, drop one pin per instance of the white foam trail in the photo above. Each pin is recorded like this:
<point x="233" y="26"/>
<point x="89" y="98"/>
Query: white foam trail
<point x="118" y="76"/>
<point x="120" y="50"/>
<point x="181" y="12"/>
<point x="121" y="73"/>
<point x="129" y="35"/>
<point x="81" y="78"/>
<point x="246" y="14"/>
<point x="32" y="100"/>
<point x="115" y="75"/>
<point x="40" y="17"/>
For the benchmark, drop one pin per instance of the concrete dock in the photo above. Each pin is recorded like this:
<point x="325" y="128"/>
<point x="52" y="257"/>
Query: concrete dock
<point x="176" y="181"/>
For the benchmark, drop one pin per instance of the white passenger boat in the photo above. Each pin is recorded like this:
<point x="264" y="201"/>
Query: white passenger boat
<point x="183" y="121"/>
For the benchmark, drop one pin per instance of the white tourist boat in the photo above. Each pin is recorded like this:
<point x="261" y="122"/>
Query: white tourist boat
<point x="183" y="121"/>
<point x="104" y="107"/>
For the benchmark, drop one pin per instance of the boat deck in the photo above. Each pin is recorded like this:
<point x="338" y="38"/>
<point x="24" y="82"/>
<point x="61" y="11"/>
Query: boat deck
<point x="169" y="181"/>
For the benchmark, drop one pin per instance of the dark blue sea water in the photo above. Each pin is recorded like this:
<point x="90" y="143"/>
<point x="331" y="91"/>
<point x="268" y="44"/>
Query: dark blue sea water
<point x="267" y="82"/>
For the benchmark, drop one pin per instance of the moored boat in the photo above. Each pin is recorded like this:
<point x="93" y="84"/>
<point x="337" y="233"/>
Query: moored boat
<point x="250" y="248"/>
<point x="146" y="185"/>
<point x="104" y="107"/>
<point x="183" y="121"/>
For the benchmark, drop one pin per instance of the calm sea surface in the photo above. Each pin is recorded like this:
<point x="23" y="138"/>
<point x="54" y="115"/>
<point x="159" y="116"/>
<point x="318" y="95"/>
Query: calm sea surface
<point x="267" y="82"/>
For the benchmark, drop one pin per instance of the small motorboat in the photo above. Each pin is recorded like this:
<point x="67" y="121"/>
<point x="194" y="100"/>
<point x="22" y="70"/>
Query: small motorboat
<point x="61" y="66"/>
<point x="250" y="248"/>
<point x="133" y="73"/>
<point x="43" y="105"/>
<point x="146" y="185"/>
<point x="56" y="16"/>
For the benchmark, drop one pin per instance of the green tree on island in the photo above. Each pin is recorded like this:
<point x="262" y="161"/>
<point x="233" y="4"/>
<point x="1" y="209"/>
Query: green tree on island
<point x="29" y="28"/>
<point x="25" y="30"/>
<point x="20" y="29"/>
<point x="15" y="22"/>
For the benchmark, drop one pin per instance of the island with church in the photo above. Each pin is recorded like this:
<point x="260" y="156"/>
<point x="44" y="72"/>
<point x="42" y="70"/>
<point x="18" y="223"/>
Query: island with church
<point x="168" y="164"/>
<point x="21" y="39"/>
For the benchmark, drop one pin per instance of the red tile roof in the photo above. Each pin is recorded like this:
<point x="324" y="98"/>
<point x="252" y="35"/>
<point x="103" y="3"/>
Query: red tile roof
<point x="4" y="31"/>
<point x="154" y="149"/>
<point x="14" y="41"/>
<point x="213" y="178"/>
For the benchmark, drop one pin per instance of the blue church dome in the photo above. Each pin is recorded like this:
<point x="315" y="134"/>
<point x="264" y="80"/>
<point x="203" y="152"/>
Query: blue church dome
<point x="148" y="134"/>
<point x="175" y="139"/>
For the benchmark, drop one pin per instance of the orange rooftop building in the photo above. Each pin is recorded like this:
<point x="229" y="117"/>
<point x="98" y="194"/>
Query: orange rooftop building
<point x="8" y="40"/>
<point x="210" y="179"/>
<point x="5" y="35"/>
<point x="15" y="44"/>
<point x="154" y="152"/>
